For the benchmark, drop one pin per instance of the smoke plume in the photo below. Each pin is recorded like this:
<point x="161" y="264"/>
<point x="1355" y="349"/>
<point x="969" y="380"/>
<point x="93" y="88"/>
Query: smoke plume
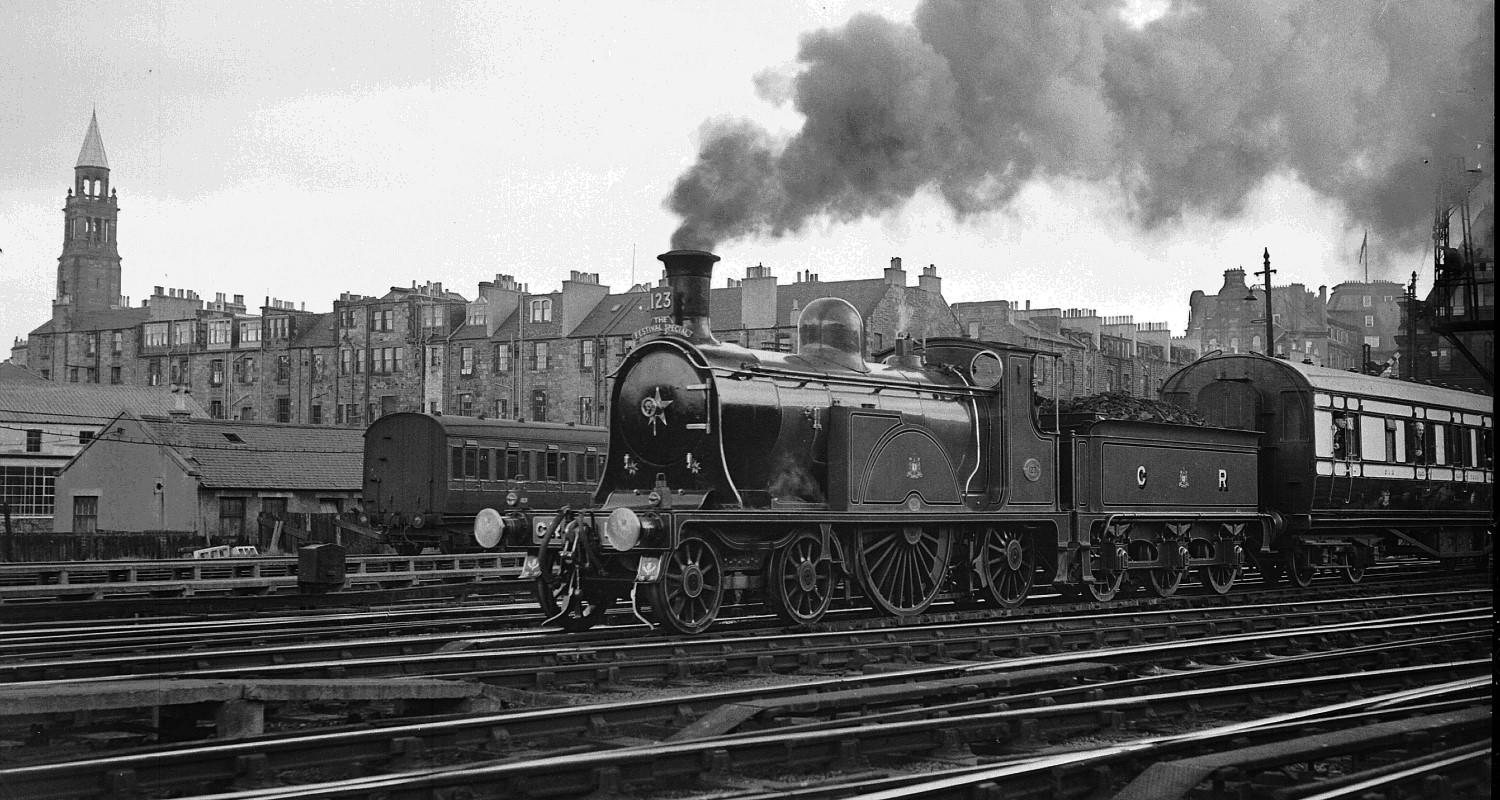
<point x="1363" y="101"/>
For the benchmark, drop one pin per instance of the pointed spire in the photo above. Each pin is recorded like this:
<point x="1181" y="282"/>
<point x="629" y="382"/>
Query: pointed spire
<point x="92" y="154"/>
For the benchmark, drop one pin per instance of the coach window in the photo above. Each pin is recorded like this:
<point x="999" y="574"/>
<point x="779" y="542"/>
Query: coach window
<point x="1371" y="437"/>
<point x="1437" y="439"/>
<point x="484" y="463"/>
<point x="1345" y="436"/>
<point x="552" y="465"/>
<point x="457" y="470"/>
<point x="1487" y="449"/>
<point x="512" y="463"/>
<point x="564" y="468"/>
<point x="1394" y="441"/>
<point x="471" y="461"/>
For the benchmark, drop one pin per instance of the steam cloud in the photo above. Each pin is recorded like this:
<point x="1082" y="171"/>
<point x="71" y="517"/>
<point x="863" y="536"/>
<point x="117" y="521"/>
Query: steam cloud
<point x="1363" y="101"/>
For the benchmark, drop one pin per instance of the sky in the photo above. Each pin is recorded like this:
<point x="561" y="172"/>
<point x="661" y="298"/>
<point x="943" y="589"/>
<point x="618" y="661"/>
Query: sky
<point x="1105" y="155"/>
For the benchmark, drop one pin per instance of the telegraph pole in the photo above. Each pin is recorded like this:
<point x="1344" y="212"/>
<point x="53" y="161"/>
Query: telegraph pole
<point x="1268" y="272"/>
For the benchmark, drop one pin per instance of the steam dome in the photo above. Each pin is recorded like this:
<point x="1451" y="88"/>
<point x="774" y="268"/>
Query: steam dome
<point x="831" y="330"/>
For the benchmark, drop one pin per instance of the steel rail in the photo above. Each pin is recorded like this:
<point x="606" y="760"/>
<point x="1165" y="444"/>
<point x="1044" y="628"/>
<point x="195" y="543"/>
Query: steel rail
<point x="492" y="658"/>
<point x="289" y="752"/>
<point x="653" y="765"/>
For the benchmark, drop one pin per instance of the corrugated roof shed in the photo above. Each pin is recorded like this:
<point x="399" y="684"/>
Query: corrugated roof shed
<point x="256" y="455"/>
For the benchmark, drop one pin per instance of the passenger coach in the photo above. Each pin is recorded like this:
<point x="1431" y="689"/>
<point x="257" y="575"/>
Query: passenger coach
<point x="1351" y="462"/>
<point x="428" y="476"/>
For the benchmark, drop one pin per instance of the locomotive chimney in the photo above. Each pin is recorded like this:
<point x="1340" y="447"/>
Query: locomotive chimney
<point x="689" y="273"/>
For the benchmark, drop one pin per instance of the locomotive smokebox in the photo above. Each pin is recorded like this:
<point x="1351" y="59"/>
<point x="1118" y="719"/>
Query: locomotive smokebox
<point x="689" y="273"/>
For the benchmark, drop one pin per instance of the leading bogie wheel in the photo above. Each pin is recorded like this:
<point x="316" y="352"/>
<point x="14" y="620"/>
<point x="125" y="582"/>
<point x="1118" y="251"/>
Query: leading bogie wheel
<point x="902" y="569"/>
<point x="800" y="580"/>
<point x="1007" y="566"/>
<point x="561" y="594"/>
<point x="687" y="597"/>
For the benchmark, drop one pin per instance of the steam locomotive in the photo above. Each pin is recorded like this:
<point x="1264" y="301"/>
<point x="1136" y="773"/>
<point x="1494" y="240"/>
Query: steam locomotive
<point x="455" y="482"/>
<point x="736" y="474"/>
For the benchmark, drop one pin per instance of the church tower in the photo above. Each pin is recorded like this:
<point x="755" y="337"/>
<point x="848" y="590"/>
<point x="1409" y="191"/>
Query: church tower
<point x="88" y="271"/>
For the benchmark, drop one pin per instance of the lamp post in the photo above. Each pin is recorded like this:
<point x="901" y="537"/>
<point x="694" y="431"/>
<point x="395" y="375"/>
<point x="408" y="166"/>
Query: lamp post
<point x="1268" y="272"/>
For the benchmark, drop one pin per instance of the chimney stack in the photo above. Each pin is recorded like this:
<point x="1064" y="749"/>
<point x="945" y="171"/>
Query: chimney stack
<point x="689" y="273"/>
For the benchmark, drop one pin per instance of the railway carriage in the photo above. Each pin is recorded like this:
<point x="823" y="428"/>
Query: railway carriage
<point x="1352" y="464"/>
<point x="430" y="478"/>
<point x="737" y="474"/>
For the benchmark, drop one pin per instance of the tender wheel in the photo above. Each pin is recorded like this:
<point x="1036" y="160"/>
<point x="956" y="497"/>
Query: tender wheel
<point x="801" y="580"/>
<point x="1219" y="579"/>
<point x="1163" y="582"/>
<point x="1006" y="565"/>
<point x="687" y="598"/>
<point x="902" y="569"/>
<point x="1106" y="586"/>
<point x="1353" y="573"/>
<point x="560" y="591"/>
<point x="1298" y="564"/>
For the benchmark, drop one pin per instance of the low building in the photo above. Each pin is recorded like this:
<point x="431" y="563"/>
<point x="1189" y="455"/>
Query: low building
<point x="213" y="477"/>
<point x="43" y="424"/>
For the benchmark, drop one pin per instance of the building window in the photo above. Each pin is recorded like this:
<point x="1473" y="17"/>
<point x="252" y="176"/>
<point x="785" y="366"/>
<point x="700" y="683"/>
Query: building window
<point x="90" y="344"/>
<point x="502" y="409"/>
<point x="156" y="335"/>
<point x="219" y="331"/>
<point x="244" y="369"/>
<point x="1369" y="320"/>
<point x="72" y="374"/>
<point x="283" y="409"/>
<point x="34" y="440"/>
<point x="479" y="316"/>
<point x="348" y="318"/>
<point x="86" y="514"/>
<point x="278" y="328"/>
<point x="502" y="357"/>
<point x="1365" y="301"/>
<point x="586" y="354"/>
<point x="153" y="372"/>
<point x="538" y="356"/>
<point x="249" y="333"/>
<point x="114" y="375"/>
<point x="347" y="414"/>
<point x="466" y="361"/>
<point x="383" y="320"/>
<point x="232" y="517"/>
<point x="273" y="507"/>
<point x="432" y="317"/>
<point x="216" y="372"/>
<point x="538" y="405"/>
<point x="216" y="409"/>
<point x="466" y="404"/>
<point x="541" y="310"/>
<point x="91" y="375"/>
<point x="117" y="342"/>
<point x="315" y="414"/>
<point x="283" y="368"/>
<point x="385" y="360"/>
<point x="28" y="490"/>
<point x="182" y="334"/>
<point x="586" y="411"/>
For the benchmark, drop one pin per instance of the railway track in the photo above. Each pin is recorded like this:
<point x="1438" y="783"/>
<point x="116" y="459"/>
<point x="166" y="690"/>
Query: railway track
<point x="991" y="704"/>
<point x="430" y="625"/>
